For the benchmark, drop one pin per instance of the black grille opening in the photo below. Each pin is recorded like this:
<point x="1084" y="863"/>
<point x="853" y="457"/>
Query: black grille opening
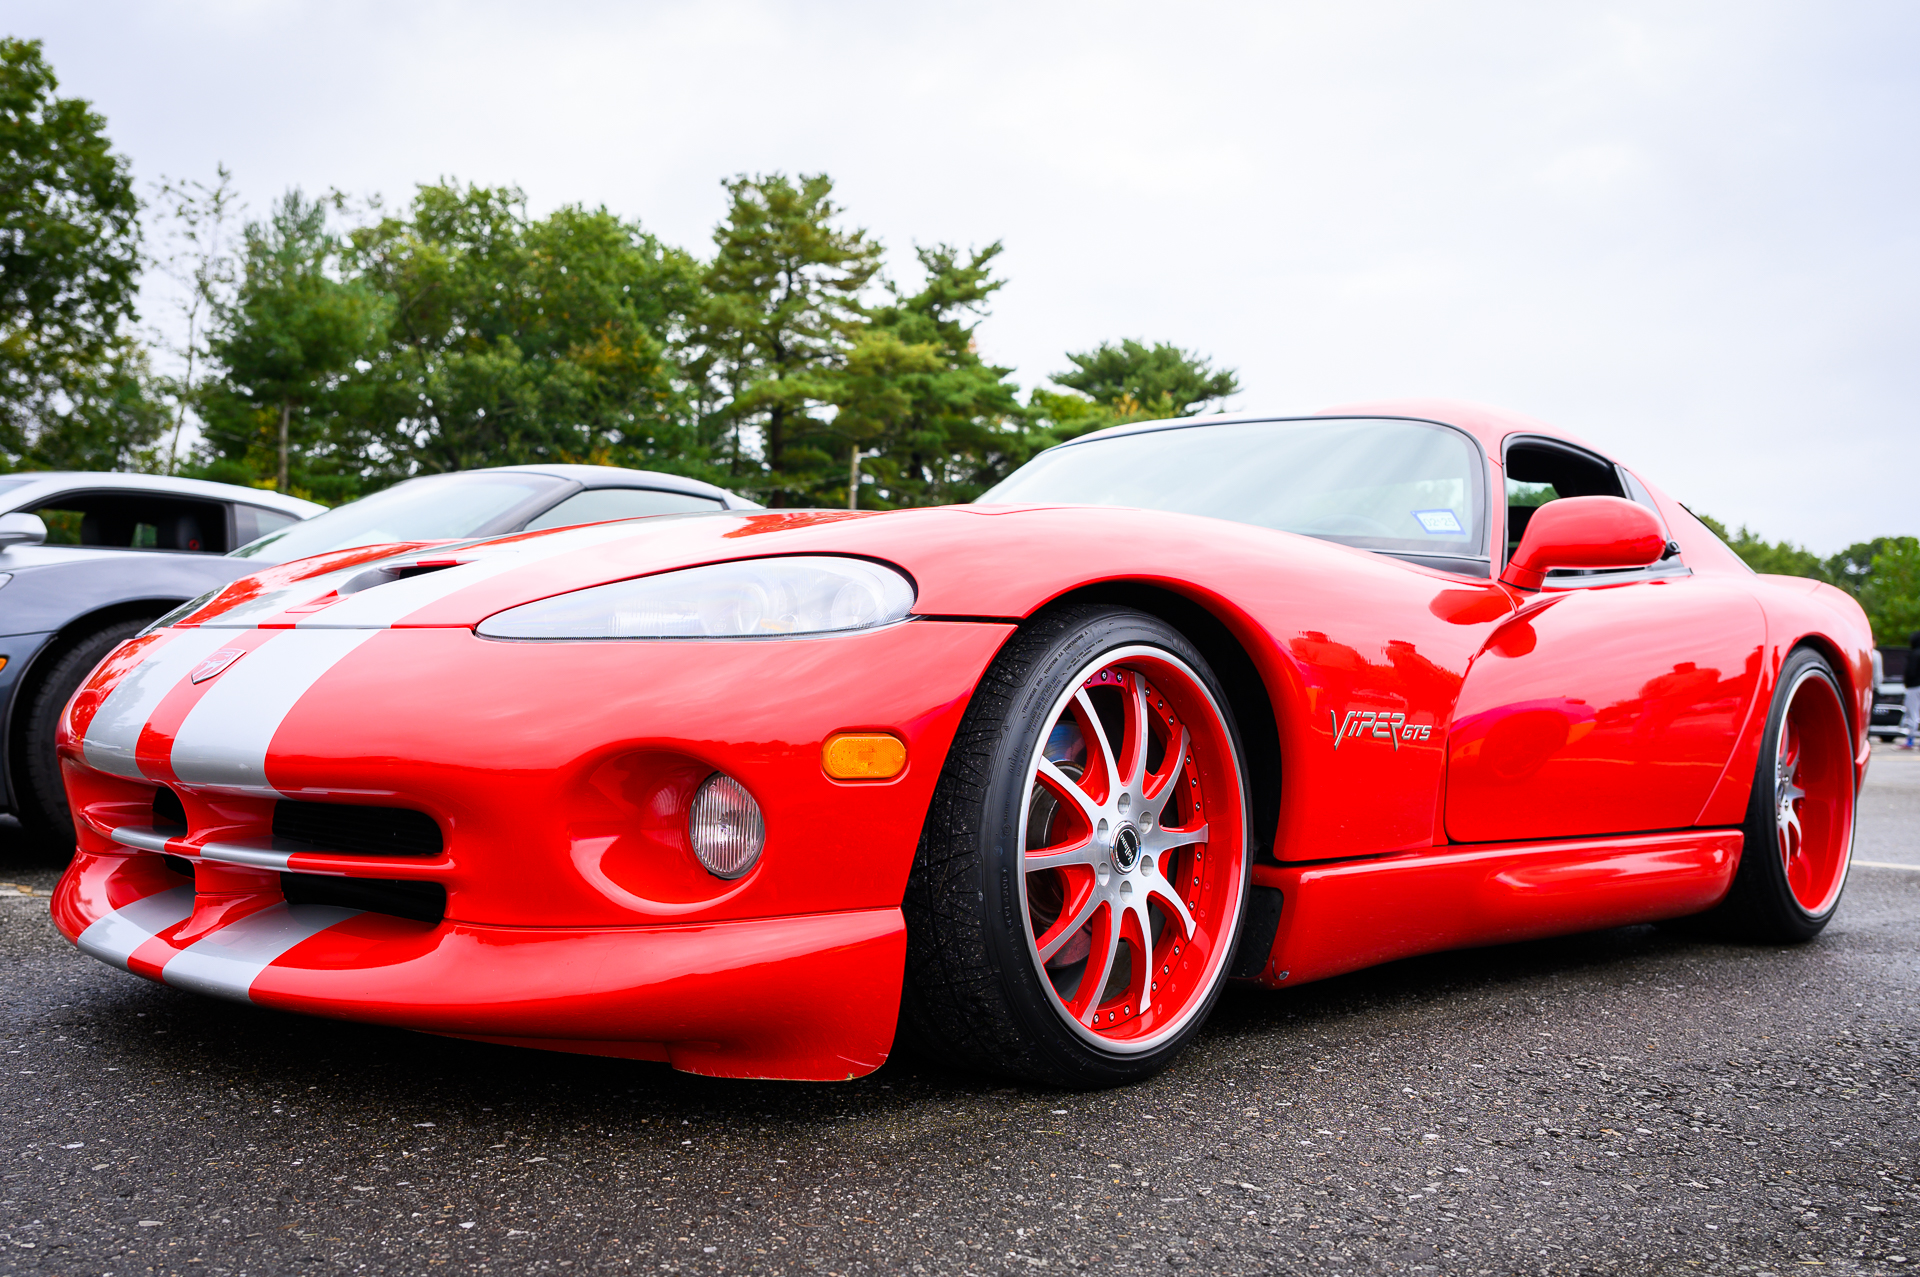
<point x="420" y="901"/>
<point x="168" y="812"/>
<point x="366" y="831"/>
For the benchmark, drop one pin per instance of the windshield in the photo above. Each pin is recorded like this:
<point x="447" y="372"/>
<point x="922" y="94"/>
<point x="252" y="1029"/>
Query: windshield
<point x="437" y="508"/>
<point x="1404" y="487"/>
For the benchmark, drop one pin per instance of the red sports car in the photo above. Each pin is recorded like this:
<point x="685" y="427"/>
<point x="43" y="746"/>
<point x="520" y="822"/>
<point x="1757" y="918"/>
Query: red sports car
<point x="1029" y="780"/>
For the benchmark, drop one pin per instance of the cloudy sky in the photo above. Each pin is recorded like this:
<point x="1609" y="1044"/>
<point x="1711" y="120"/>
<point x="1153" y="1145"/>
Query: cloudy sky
<point x="1687" y="232"/>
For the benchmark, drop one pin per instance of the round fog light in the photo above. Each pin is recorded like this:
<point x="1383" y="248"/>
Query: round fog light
<point x="725" y="827"/>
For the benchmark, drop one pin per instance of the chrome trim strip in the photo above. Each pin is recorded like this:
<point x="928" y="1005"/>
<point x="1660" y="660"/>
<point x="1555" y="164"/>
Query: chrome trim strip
<point x="258" y="853"/>
<point x="141" y="838"/>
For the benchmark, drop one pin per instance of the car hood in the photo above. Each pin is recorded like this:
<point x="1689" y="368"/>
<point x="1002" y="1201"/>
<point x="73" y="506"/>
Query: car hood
<point x="461" y="583"/>
<point x="974" y="561"/>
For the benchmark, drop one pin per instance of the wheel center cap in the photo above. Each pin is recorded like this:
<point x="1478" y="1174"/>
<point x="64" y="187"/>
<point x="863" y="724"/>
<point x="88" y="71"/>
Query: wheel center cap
<point x="1126" y="849"/>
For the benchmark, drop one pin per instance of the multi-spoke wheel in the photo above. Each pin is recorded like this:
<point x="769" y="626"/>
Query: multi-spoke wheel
<point x="1799" y="831"/>
<point x="1079" y="886"/>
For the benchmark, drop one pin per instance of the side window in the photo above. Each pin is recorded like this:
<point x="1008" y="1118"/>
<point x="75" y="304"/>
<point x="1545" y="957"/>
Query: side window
<point x="135" y="521"/>
<point x="599" y="504"/>
<point x="251" y="522"/>
<point x="1539" y="472"/>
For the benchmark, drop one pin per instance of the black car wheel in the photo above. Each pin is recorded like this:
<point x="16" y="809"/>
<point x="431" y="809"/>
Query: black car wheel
<point x="1079" y="885"/>
<point x="39" y="794"/>
<point x="1799" y="829"/>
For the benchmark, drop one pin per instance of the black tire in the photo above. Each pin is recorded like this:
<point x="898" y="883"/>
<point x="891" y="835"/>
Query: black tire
<point x="974" y="993"/>
<point x="39" y="793"/>
<point x="1762" y="906"/>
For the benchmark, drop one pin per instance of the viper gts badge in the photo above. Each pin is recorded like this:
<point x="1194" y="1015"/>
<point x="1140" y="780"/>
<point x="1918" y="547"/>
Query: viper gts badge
<point x="215" y="663"/>
<point x="1377" y="724"/>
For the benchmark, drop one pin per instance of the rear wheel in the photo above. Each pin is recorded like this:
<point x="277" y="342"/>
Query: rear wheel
<point x="1799" y="829"/>
<point x="1078" y="889"/>
<point x="39" y="792"/>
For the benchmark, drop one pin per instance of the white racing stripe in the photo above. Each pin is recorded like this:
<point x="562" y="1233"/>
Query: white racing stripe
<point x="115" y="730"/>
<point x="381" y="606"/>
<point x="227" y="962"/>
<point x="223" y="740"/>
<point x="114" y="935"/>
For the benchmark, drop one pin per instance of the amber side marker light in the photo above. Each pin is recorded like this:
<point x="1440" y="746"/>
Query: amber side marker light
<point x="863" y="756"/>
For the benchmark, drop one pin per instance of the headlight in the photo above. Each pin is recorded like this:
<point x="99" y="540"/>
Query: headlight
<point x="750" y="598"/>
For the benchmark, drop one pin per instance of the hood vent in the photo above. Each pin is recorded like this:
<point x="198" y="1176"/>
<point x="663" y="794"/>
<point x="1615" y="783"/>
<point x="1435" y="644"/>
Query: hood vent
<point x="388" y="573"/>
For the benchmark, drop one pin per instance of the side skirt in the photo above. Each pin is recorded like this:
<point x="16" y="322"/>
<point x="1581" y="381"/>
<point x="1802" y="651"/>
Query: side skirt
<point x="1341" y="917"/>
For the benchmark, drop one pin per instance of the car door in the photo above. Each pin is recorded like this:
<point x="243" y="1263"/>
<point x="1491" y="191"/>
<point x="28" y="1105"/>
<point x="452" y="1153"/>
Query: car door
<point x="1610" y="702"/>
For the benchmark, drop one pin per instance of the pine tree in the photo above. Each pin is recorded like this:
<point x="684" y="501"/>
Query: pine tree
<point x="781" y="313"/>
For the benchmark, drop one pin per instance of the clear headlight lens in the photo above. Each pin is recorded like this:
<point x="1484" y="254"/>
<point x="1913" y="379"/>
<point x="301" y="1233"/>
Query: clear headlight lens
<point x="749" y="598"/>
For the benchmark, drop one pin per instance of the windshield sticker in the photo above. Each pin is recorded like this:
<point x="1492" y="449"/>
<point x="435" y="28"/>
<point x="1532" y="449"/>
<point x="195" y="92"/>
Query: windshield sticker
<point x="1440" y="523"/>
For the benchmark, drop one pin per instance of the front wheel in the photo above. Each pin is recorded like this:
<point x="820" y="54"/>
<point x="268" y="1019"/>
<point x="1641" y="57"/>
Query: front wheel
<point x="39" y="792"/>
<point x="1799" y="829"/>
<point x="1078" y="889"/>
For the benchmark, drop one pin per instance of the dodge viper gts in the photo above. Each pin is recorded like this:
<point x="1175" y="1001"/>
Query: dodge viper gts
<point x="1027" y="781"/>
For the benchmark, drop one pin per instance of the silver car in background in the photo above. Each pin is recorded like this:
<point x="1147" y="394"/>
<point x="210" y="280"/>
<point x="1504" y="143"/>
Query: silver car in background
<point x="87" y="560"/>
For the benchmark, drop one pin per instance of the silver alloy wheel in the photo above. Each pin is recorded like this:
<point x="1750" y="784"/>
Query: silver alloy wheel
<point x="1128" y="847"/>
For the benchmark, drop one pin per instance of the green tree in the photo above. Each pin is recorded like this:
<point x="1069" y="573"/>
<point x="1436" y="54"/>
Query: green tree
<point x="781" y="312"/>
<point x="1884" y="574"/>
<point x="293" y="328"/>
<point x="1113" y="384"/>
<point x="945" y="423"/>
<point x="72" y="386"/>
<point x="1782" y="558"/>
<point x="1890" y="592"/>
<point x="198" y="259"/>
<point x="1161" y="376"/>
<point x="519" y="340"/>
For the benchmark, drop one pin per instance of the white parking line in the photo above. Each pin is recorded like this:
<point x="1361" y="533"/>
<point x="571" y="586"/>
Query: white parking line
<point x="1886" y="864"/>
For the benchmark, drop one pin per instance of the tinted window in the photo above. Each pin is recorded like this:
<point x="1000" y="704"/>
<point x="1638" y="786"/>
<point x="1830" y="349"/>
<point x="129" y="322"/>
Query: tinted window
<point x="1541" y="472"/>
<point x="135" y="521"/>
<point x="599" y="504"/>
<point x="252" y="521"/>
<point x="1405" y="487"/>
<point x="441" y="508"/>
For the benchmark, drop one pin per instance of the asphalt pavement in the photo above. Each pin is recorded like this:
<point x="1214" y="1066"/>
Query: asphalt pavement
<point x="1627" y="1101"/>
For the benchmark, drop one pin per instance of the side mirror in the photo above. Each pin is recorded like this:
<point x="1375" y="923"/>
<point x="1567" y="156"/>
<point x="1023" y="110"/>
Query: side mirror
<point x="1585" y="532"/>
<point x="22" y="529"/>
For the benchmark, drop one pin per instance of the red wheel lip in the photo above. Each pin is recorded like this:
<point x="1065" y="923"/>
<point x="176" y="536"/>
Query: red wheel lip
<point x="1189" y="694"/>
<point x="1827" y="739"/>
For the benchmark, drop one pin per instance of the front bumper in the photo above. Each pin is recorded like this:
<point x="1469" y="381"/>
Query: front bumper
<point x="811" y="998"/>
<point x="575" y="915"/>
